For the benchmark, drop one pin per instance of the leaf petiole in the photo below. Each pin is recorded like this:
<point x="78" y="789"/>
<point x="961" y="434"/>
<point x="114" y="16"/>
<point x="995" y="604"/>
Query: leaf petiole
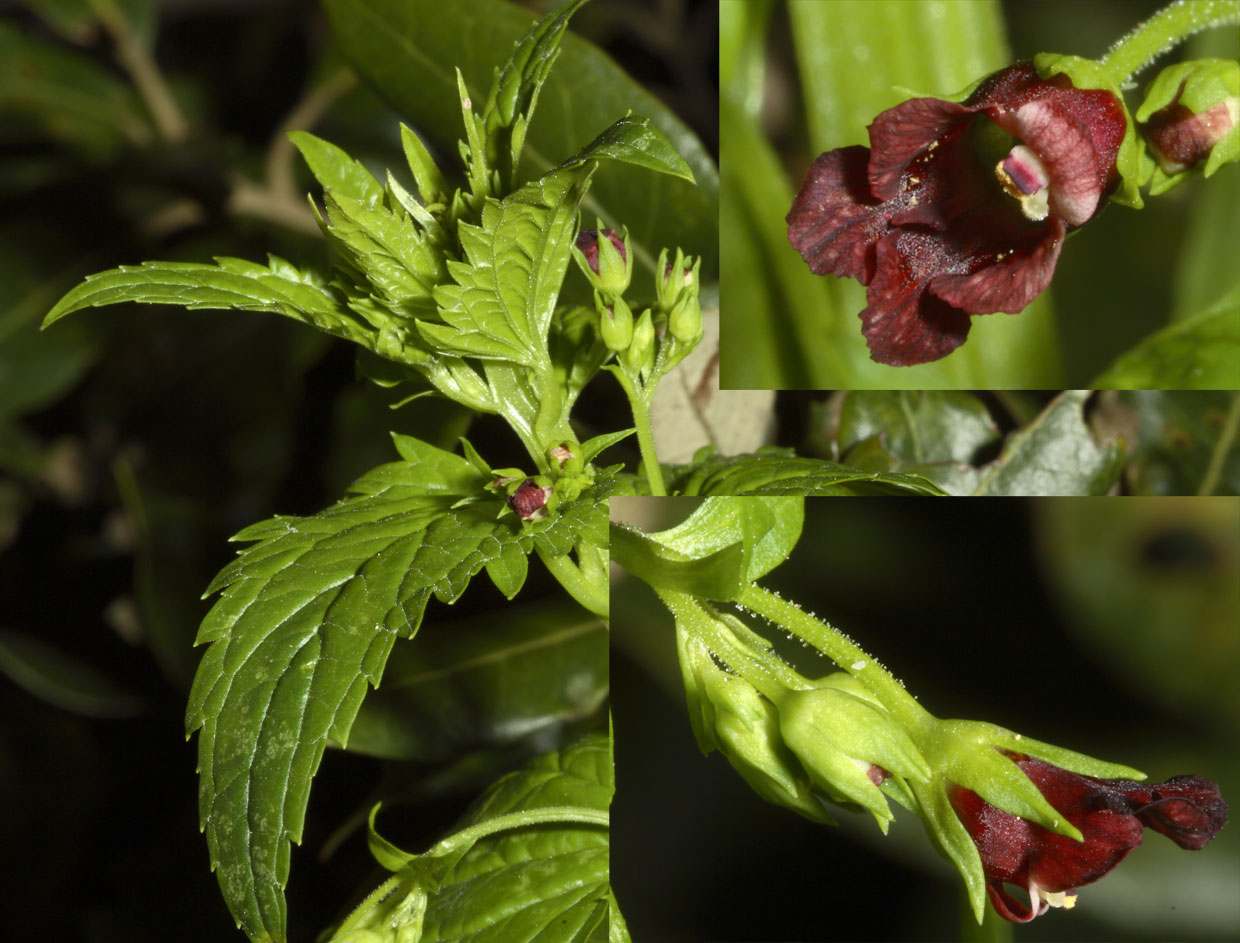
<point x="551" y="815"/>
<point x="592" y="593"/>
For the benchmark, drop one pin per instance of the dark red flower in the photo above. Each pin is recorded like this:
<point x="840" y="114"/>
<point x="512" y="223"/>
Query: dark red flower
<point x="958" y="208"/>
<point x="1111" y="815"/>
<point x="1179" y="139"/>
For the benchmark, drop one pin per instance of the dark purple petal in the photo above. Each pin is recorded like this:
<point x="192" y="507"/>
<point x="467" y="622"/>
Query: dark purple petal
<point x="834" y="222"/>
<point x="1010" y="283"/>
<point x="900" y="134"/>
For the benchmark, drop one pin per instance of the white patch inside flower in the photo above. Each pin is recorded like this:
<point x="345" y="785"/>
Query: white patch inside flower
<point x="1064" y="899"/>
<point x="1023" y="177"/>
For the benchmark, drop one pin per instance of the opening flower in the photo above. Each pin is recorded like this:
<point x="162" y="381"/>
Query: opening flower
<point x="1111" y="815"/>
<point x="958" y="209"/>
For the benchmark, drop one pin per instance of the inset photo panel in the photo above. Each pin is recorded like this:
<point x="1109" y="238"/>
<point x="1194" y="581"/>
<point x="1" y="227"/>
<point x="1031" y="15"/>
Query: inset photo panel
<point x="979" y="194"/>
<point x="911" y="719"/>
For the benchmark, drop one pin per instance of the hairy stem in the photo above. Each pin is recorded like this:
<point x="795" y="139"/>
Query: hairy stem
<point x="1167" y="28"/>
<point x="645" y="435"/>
<point x="1226" y="439"/>
<point x="840" y="649"/>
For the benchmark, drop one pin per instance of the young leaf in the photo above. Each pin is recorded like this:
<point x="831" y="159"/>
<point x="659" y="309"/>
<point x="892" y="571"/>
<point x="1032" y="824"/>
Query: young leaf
<point x="336" y="170"/>
<point x="634" y="140"/>
<point x="776" y="471"/>
<point x="305" y="623"/>
<point x="505" y="293"/>
<point x="230" y="283"/>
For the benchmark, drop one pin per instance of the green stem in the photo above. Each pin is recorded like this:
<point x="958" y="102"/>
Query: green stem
<point x="590" y="593"/>
<point x="551" y="815"/>
<point x="1226" y="439"/>
<point x="840" y="649"/>
<point x="1169" y="27"/>
<point x="645" y="435"/>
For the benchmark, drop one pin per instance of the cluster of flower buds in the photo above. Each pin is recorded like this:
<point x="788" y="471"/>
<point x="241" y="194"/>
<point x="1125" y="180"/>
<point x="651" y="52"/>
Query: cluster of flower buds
<point x="662" y="335"/>
<point x="1191" y="119"/>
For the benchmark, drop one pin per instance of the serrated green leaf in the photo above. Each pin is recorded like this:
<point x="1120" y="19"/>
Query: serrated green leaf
<point x="231" y="283"/>
<point x="408" y="50"/>
<point x="304" y="625"/>
<point x="517" y="674"/>
<point x="1054" y="455"/>
<point x="505" y="293"/>
<point x="388" y="251"/>
<point x="336" y="170"/>
<point x="635" y="140"/>
<point x="917" y="427"/>
<point x="780" y="471"/>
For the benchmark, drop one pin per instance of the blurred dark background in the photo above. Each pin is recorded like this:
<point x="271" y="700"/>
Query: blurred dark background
<point x="1107" y="626"/>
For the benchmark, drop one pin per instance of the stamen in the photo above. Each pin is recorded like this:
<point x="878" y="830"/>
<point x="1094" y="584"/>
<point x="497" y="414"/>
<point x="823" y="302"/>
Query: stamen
<point x="1023" y="177"/>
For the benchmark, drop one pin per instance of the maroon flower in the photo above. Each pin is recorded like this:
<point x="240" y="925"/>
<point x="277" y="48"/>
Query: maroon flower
<point x="958" y="208"/>
<point x="1111" y="815"/>
<point x="1179" y="139"/>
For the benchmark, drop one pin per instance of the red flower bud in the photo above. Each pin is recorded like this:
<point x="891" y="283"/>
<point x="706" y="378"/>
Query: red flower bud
<point x="587" y="242"/>
<point x="530" y="500"/>
<point x="939" y="224"/>
<point x="1111" y="815"/>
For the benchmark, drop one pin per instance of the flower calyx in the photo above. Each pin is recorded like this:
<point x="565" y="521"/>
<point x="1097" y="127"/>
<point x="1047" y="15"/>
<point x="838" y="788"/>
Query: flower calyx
<point x="604" y="257"/>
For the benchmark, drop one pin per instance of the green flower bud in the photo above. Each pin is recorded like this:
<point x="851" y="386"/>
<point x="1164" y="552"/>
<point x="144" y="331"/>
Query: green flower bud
<point x="685" y="321"/>
<point x="605" y="259"/>
<point x="615" y="323"/>
<point x="729" y="715"/>
<point x="848" y="742"/>
<point x="565" y="457"/>
<point x="639" y="357"/>
<point x="1190" y="118"/>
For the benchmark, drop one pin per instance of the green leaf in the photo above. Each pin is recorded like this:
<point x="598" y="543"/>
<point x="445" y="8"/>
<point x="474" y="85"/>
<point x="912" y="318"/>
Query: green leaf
<point x="1198" y="353"/>
<point x="231" y="283"/>
<point x="67" y="96"/>
<point x="917" y="427"/>
<point x="547" y="883"/>
<point x="505" y="293"/>
<point x="408" y="50"/>
<point x="304" y="625"/>
<point x="336" y="170"/>
<point x="1055" y="455"/>
<point x="780" y="471"/>
<point x="635" y="140"/>
<point x="387" y="251"/>
<point x="520" y="674"/>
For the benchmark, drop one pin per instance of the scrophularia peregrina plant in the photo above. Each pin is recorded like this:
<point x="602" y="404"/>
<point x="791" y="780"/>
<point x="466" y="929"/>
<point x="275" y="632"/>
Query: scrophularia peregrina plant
<point x="961" y="207"/>
<point x="1004" y="809"/>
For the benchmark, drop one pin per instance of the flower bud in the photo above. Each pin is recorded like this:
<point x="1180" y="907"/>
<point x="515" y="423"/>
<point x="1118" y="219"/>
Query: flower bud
<point x="729" y="715"/>
<point x="639" y="357"/>
<point x="676" y="279"/>
<point x="1191" y="116"/>
<point x="565" y="457"/>
<point x="840" y="732"/>
<point x="606" y="262"/>
<point x="615" y="323"/>
<point x="530" y="498"/>
<point x="685" y="320"/>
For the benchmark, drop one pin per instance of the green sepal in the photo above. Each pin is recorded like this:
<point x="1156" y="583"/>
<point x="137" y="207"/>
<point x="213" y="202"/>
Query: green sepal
<point x="1086" y="73"/>
<point x="1206" y="83"/>
<point x="426" y="173"/>
<point x="593" y="446"/>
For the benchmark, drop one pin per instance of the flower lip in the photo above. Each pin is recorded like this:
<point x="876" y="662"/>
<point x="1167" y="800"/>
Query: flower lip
<point x="1110" y="814"/>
